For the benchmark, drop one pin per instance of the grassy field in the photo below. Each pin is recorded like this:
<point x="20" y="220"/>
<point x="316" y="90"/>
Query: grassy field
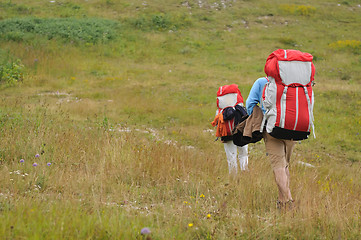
<point x="105" y="114"/>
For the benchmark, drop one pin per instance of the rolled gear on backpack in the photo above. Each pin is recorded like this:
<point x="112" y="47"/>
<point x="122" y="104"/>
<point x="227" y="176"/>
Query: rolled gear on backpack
<point x="288" y="96"/>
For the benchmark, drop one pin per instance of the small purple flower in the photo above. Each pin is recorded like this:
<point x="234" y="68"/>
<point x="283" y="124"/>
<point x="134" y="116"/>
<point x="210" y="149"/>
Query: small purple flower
<point x="145" y="231"/>
<point x="35" y="164"/>
<point x="37" y="155"/>
<point x="22" y="160"/>
<point x="49" y="163"/>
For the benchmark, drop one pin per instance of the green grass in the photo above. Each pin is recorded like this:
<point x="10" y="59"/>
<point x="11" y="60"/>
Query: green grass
<point x="124" y="120"/>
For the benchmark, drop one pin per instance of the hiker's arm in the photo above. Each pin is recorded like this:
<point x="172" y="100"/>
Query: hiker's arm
<point x="254" y="97"/>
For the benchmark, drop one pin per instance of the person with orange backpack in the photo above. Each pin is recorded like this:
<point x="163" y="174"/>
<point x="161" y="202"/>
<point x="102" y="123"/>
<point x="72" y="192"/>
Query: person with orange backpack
<point x="230" y="112"/>
<point x="287" y="101"/>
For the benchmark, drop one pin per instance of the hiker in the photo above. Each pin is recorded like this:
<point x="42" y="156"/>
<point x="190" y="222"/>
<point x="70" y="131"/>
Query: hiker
<point x="286" y="99"/>
<point x="229" y="113"/>
<point x="278" y="150"/>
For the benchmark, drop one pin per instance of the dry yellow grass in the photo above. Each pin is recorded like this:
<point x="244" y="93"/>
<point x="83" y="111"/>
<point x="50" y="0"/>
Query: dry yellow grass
<point x="125" y="125"/>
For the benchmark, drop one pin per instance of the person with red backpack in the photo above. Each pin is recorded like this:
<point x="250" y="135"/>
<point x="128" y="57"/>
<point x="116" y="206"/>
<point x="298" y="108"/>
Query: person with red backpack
<point x="230" y="112"/>
<point x="287" y="101"/>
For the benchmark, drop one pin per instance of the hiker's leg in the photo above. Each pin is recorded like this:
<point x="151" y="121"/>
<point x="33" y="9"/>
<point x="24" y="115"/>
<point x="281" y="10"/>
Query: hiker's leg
<point x="231" y="153"/>
<point x="287" y="170"/>
<point x="243" y="157"/>
<point x="289" y="145"/>
<point x="277" y="155"/>
<point x="284" y="193"/>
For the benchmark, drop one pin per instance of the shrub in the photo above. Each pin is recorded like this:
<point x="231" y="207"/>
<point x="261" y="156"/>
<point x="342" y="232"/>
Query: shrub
<point x="11" y="72"/>
<point x="288" y="41"/>
<point x="160" y="22"/>
<point x="353" y="45"/>
<point x="88" y="30"/>
<point x="294" y="9"/>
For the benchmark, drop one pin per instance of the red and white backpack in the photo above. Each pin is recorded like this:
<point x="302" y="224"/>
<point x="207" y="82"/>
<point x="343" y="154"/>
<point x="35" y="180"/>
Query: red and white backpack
<point x="288" y="96"/>
<point x="228" y="96"/>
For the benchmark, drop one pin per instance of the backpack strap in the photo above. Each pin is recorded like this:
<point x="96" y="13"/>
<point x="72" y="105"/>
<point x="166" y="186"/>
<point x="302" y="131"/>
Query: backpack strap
<point x="265" y="115"/>
<point x="283" y="107"/>
<point x="297" y="111"/>
<point x="264" y="121"/>
<point x="310" y="111"/>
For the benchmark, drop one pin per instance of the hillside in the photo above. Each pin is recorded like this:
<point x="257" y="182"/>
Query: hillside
<point x="105" y="115"/>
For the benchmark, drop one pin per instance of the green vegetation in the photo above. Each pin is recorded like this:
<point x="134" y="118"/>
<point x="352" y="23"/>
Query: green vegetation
<point x="67" y="29"/>
<point x="298" y="9"/>
<point x="352" y="45"/>
<point x="159" y="22"/>
<point x="11" y="71"/>
<point x="113" y="102"/>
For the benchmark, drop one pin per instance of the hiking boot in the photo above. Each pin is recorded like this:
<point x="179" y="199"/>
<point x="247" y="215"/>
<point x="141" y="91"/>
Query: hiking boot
<point x="289" y="205"/>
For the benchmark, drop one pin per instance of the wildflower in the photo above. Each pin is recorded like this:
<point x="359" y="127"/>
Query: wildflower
<point x="37" y="155"/>
<point x="49" y="163"/>
<point x="190" y="225"/>
<point x="208" y="215"/>
<point x="22" y="160"/>
<point x="201" y="196"/>
<point x="145" y="231"/>
<point x="35" y="164"/>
